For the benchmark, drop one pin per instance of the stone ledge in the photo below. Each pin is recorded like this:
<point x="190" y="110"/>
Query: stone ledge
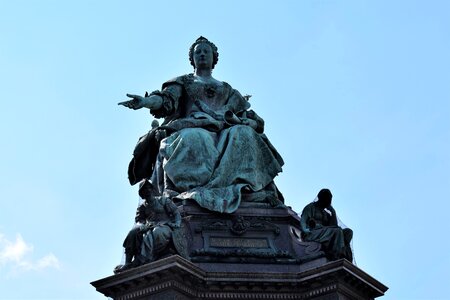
<point x="178" y="278"/>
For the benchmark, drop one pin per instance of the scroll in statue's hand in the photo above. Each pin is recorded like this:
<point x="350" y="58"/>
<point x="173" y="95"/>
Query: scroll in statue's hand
<point x="231" y="119"/>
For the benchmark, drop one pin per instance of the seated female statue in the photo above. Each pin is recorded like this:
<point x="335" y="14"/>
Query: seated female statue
<point x="210" y="147"/>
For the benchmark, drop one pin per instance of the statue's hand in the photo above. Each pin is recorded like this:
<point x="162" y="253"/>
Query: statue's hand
<point x="147" y="226"/>
<point x="306" y="230"/>
<point x="319" y="226"/>
<point x="150" y="102"/>
<point x="330" y="208"/>
<point x="136" y="103"/>
<point x="174" y="224"/>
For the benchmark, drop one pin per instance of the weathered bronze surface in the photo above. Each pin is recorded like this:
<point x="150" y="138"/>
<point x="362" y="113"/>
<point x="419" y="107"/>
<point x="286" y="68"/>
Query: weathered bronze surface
<point x="211" y="148"/>
<point x="209" y="175"/>
<point x="319" y="224"/>
<point x="157" y="222"/>
<point x="213" y="224"/>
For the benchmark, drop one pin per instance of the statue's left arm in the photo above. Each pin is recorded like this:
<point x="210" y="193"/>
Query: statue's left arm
<point x="237" y="111"/>
<point x="333" y="220"/>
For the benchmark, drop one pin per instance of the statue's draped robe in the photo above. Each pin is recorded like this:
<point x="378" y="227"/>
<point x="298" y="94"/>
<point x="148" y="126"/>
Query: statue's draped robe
<point x="202" y="157"/>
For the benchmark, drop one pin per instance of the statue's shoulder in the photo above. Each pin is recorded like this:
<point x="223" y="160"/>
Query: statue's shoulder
<point x="226" y="85"/>
<point x="181" y="80"/>
<point x="308" y="208"/>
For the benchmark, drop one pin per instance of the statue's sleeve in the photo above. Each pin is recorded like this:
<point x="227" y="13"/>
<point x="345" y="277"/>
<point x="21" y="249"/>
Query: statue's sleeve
<point x="240" y="106"/>
<point x="170" y="93"/>
<point x="306" y="215"/>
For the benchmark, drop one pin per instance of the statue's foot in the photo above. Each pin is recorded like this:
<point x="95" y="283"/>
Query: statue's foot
<point x="118" y="269"/>
<point x="121" y="268"/>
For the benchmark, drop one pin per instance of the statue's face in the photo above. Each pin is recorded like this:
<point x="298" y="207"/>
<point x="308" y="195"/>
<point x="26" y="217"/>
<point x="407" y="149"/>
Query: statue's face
<point x="324" y="201"/>
<point x="203" y="56"/>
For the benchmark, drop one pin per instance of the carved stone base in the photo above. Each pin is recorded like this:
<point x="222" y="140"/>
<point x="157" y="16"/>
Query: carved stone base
<point x="177" y="278"/>
<point x="254" y="253"/>
<point x="256" y="233"/>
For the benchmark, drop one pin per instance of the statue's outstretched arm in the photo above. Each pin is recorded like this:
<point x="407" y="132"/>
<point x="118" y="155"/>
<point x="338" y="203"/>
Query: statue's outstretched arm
<point x="138" y="102"/>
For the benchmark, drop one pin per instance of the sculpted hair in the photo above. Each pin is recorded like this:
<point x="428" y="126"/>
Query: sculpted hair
<point x="200" y="40"/>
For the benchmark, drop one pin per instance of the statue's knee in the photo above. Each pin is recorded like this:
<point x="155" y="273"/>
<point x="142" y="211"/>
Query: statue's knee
<point x="161" y="237"/>
<point x="195" y="136"/>
<point x="348" y="234"/>
<point x="335" y="232"/>
<point x="242" y="131"/>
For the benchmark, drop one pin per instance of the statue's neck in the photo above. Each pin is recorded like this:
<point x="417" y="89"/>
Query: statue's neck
<point x="204" y="73"/>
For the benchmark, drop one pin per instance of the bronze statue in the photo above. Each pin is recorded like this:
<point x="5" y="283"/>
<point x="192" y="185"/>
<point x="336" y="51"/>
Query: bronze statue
<point x="156" y="219"/>
<point x="210" y="147"/>
<point x="319" y="224"/>
<point x="211" y="150"/>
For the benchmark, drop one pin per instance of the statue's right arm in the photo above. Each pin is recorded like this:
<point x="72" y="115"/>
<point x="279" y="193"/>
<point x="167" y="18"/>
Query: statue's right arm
<point x="170" y="95"/>
<point x="152" y="102"/>
<point x="161" y="103"/>
<point x="306" y="213"/>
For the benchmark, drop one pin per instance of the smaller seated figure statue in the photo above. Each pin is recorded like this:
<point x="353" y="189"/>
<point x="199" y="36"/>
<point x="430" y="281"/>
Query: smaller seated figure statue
<point x="319" y="224"/>
<point x="156" y="219"/>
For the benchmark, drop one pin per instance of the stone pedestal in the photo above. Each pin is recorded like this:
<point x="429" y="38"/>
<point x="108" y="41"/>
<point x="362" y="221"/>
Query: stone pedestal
<point x="177" y="278"/>
<point x="256" y="233"/>
<point x="253" y="253"/>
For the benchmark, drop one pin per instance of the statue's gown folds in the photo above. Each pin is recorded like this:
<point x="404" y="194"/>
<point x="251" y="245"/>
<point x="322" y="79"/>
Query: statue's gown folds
<point x="202" y="157"/>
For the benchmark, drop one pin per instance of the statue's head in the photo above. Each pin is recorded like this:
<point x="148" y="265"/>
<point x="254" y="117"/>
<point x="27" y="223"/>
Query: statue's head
<point x="324" y="198"/>
<point x="203" y="40"/>
<point x="145" y="189"/>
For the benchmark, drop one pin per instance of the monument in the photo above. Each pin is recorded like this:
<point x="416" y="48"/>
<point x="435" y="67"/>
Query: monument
<point x="212" y="223"/>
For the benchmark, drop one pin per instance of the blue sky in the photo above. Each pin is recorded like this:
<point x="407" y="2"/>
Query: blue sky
<point x="355" y="95"/>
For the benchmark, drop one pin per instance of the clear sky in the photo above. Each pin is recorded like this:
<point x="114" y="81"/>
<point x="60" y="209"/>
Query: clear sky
<point x="355" y="95"/>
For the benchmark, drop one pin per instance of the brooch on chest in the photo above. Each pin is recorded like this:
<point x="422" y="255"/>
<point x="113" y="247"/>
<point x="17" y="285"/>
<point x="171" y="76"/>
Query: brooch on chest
<point x="209" y="90"/>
